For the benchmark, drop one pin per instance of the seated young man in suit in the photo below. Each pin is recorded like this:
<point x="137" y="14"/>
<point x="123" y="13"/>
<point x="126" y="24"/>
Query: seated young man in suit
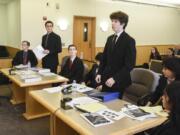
<point x="73" y="68"/>
<point x="25" y="56"/>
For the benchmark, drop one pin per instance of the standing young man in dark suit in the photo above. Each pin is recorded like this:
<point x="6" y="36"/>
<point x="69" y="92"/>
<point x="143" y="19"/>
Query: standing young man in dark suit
<point x="25" y="56"/>
<point x="119" y="56"/>
<point x="51" y="42"/>
<point x="73" y="68"/>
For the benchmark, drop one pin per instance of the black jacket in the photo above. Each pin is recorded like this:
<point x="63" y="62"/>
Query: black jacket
<point x="18" y="59"/>
<point x="75" y="72"/>
<point x="54" y="46"/>
<point x="166" y="128"/>
<point x="118" y="62"/>
<point x="155" y="57"/>
<point x="159" y="90"/>
<point x="90" y="77"/>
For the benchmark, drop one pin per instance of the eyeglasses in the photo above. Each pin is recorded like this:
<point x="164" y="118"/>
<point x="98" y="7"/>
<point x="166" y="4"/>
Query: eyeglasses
<point x="49" y="26"/>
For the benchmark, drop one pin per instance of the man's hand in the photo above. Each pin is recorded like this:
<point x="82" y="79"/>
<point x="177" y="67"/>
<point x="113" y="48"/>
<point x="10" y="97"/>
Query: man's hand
<point x="46" y="51"/>
<point x="98" y="79"/>
<point x="99" y="88"/>
<point x="110" y="82"/>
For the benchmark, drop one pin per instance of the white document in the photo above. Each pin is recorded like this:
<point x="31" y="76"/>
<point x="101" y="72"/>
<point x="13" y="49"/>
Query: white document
<point x="53" y="89"/>
<point x="111" y="114"/>
<point x="96" y="120"/>
<point x="30" y="80"/>
<point x="38" y="51"/>
<point x="21" y="66"/>
<point x="81" y="88"/>
<point x="81" y="101"/>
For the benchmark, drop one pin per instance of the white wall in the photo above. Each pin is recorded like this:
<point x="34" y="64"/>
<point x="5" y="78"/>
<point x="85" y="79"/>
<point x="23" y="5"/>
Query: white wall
<point x="149" y="25"/>
<point x="13" y="24"/>
<point x="3" y="26"/>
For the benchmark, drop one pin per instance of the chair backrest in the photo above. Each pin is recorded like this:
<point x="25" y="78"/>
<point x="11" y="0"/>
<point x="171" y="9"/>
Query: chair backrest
<point x="64" y="59"/>
<point x="145" y="77"/>
<point x="156" y="66"/>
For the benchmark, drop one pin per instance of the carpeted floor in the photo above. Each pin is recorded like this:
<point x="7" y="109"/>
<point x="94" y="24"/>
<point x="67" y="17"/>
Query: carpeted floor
<point x="13" y="123"/>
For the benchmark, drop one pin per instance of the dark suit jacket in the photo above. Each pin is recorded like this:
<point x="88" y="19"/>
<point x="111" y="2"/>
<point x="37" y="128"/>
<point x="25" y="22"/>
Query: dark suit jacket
<point x="75" y="72"/>
<point x="54" y="46"/>
<point x="118" y="62"/>
<point x="90" y="77"/>
<point x="18" y="59"/>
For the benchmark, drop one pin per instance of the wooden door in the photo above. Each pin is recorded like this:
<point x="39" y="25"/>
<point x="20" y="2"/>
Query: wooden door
<point x="84" y="37"/>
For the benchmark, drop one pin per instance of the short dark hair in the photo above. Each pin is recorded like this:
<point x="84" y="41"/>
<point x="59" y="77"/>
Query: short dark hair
<point x="27" y="42"/>
<point x="99" y="56"/>
<point x="49" y="22"/>
<point x="173" y="64"/>
<point x="121" y="16"/>
<point x="172" y="50"/>
<point x="72" y="45"/>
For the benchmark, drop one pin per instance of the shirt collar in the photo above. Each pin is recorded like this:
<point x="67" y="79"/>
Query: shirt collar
<point x="119" y="33"/>
<point x="72" y="58"/>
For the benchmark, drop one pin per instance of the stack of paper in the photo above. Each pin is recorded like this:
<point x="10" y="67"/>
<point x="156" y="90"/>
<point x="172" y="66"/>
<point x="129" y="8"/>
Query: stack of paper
<point x="53" y="89"/>
<point x="30" y="78"/>
<point x="82" y="100"/>
<point x="21" y="66"/>
<point x="91" y="107"/>
<point x="81" y="88"/>
<point x="43" y="70"/>
<point x="48" y="74"/>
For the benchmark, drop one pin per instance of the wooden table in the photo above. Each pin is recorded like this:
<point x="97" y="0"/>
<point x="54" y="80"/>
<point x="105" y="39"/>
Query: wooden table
<point x="69" y="122"/>
<point x="20" y="91"/>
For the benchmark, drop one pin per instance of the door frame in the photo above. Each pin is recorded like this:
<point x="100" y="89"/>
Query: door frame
<point x="93" y="32"/>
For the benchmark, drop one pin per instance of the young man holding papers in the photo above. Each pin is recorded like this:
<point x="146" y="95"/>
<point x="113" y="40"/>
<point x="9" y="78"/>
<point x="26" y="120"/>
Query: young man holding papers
<point x="51" y="42"/>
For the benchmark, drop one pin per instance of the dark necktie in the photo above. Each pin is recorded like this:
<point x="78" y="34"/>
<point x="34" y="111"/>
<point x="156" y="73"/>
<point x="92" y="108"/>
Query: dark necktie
<point x="25" y="58"/>
<point x="70" y="63"/>
<point x="114" y="42"/>
<point x="46" y="41"/>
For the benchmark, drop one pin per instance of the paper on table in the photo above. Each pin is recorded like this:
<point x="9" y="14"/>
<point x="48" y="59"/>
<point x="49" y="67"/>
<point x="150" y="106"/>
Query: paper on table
<point x="111" y="114"/>
<point x="54" y="89"/>
<point x="38" y="51"/>
<point x="96" y="120"/>
<point x="155" y="109"/>
<point x="82" y="100"/>
<point x="91" y="107"/>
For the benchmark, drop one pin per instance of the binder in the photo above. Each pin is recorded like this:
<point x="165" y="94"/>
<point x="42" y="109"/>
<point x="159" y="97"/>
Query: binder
<point x="105" y="96"/>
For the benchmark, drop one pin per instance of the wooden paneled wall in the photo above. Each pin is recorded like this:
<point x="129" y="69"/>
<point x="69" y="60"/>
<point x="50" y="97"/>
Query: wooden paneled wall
<point x="143" y="52"/>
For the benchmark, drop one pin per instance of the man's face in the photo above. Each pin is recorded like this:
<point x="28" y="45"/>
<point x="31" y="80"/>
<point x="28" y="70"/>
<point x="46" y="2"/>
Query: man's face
<point x="116" y="25"/>
<point x="49" y="27"/>
<point x="72" y="51"/>
<point x="25" y="46"/>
